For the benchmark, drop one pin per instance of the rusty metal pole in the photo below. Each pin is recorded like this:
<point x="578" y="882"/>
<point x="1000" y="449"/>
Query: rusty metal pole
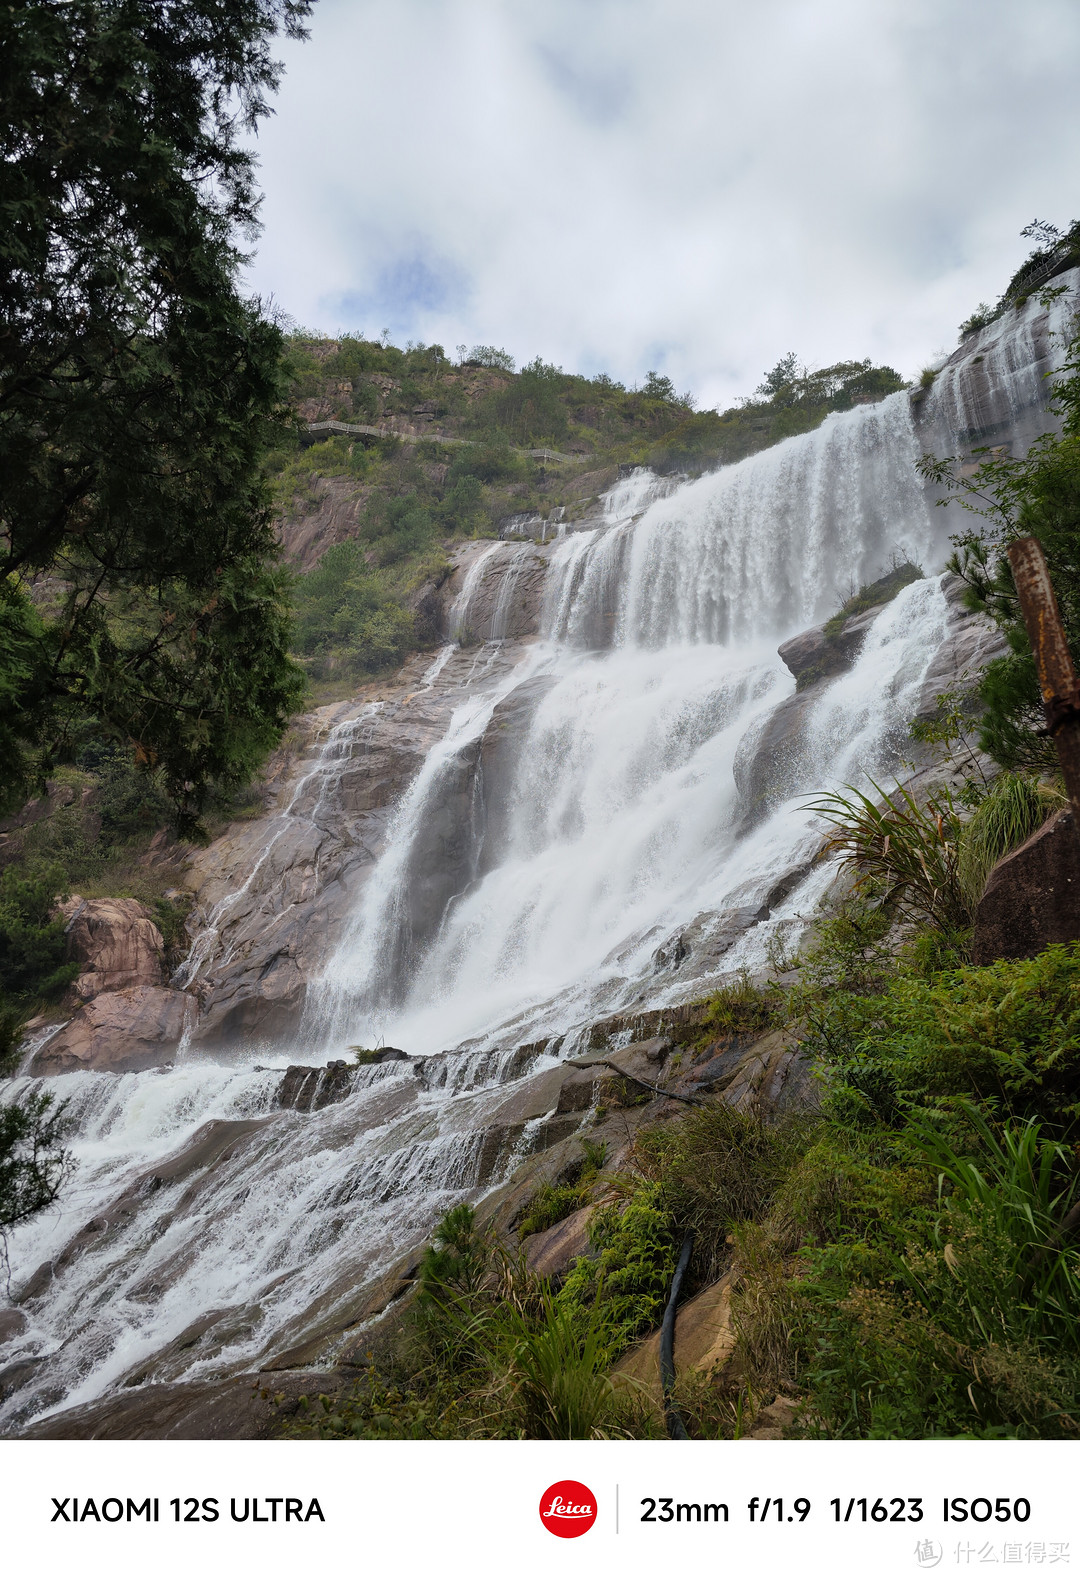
<point x="1053" y="661"/>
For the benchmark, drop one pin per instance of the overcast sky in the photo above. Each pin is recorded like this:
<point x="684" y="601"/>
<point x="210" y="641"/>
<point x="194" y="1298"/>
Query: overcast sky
<point x="697" y="186"/>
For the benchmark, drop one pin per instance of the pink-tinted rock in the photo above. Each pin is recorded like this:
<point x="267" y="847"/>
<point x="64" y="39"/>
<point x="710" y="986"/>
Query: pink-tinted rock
<point x="119" y="1032"/>
<point x="116" y="942"/>
<point x="1033" y="896"/>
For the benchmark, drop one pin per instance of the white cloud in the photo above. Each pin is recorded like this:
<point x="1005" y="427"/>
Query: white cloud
<point x="693" y="185"/>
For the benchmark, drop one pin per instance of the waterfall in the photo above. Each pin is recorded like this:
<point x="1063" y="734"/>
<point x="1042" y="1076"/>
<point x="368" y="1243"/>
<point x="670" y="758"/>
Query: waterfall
<point x="616" y="813"/>
<point x="634" y="774"/>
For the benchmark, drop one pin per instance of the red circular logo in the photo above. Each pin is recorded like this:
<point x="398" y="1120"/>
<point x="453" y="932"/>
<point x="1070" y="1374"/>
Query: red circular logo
<point x="568" y="1509"/>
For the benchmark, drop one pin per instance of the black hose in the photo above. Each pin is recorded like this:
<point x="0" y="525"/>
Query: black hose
<point x="672" y="1418"/>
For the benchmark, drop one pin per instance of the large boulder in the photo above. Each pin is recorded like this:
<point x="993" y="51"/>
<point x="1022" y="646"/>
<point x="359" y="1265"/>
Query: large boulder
<point x="1033" y="896"/>
<point x="815" y="655"/>
<point x="552" y="1252"/>
<point x="117" y="944"/>
<point x="245" y="1006"/>
<point x="119" y="1033"/>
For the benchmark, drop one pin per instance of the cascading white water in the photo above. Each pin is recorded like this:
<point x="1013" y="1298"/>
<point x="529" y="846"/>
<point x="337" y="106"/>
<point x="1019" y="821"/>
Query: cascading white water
<point x="615" y="787"/>
<point x="621" y="814"/>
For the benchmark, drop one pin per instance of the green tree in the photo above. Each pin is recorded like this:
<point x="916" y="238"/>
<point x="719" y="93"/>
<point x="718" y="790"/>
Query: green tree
<point x="31" y="940"/>
<point x="33" y="1162"/>
<point x="139" y="392"/>
<point x="657" y="387"/>
<point x="531" y="408"/>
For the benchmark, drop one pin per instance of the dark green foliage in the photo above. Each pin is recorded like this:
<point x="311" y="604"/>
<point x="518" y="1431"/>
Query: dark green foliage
<point x="902" y="1266"/>
<point x="620" y="1292"/>
<point x="129" y="800"/>
<point x="789" y="401"/>
<point x="530" y="408"/>
<point x="31" y="943"/>
<point x="1007" y="1034"/>
<point x="346" y="610"/>
<point x="33" y="1162"/>
<point x="789" y="386"/>
<point x="489" y="356"/>
<point x="1013" y="807"/>
<point x="910" y="850"/>
<point x="955" y="1316"/>
<point x="138" y="392"/>
<point x="550" y="1204"/>
<point x="454" y="1263"/>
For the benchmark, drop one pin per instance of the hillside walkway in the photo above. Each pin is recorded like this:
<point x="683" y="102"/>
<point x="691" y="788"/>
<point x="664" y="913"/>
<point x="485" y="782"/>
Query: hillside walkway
<point x="363" y="431"/>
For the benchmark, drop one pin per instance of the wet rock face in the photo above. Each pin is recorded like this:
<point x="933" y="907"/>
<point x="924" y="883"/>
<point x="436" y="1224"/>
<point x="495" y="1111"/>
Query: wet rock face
<point x="505" y="604"/>
<point x="271" y="896"/>
<point x="309" y="1089"/>
<point x="776" y="760"/>
<point x="119" y="1033"/>
<point x="500" y="757"/>
<point x="814" y="656"/>
<point x="1032" y="898"/>
<point x="443" y="858"/>
<point x="116" y="942"/>
<point x="244" y="1408"/>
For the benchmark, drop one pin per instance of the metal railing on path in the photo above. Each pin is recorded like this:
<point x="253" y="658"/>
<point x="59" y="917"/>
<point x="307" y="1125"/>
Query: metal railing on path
<point x="362" y="430"/>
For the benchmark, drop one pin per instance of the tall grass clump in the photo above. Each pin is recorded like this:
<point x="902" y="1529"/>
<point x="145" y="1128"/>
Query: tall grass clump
<point x="718" y="1167"/>
<point x="1015" y="806"/>
<point x="910" y="850"/>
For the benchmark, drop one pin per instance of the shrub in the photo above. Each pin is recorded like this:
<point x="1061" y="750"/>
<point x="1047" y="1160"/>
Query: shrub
<point x="550" y="1204"/>
<point x="31" y="942"/>
<point x="982" y="315"/>
<point x="874" y="595"/>
<point x="739" y="1006"/>
<point x="345" y="609"/>
<point x="625" y="1286"/>
<point x="717" y="1167"/>
<point x="910" y="850"/>
<point x="558" y="1374"/>
<point x="1006" y="1035"/>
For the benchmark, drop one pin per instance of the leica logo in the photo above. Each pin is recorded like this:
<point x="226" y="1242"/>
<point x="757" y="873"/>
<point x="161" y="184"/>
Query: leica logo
<point x="568" y="1509"/>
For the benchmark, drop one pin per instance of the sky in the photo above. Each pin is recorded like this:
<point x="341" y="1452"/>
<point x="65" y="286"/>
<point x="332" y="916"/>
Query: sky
<point x="692" y="186"/>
